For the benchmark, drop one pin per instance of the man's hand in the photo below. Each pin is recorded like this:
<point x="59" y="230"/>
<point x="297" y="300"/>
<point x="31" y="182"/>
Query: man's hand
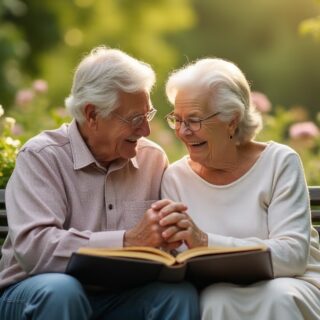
<point x="148" y="231"/>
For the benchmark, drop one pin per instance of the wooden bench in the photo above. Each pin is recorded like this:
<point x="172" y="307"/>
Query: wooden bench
<point x="314" y="200"/>
<point x="314" y="192"/>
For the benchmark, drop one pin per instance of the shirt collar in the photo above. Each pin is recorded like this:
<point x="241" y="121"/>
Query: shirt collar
<point x="82" y="156"/>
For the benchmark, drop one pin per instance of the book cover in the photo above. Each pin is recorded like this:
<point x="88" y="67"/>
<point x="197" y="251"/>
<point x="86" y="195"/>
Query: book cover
<point x="124" y="268"/>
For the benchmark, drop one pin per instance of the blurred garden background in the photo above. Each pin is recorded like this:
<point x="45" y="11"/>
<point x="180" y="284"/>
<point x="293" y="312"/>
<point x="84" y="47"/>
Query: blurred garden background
<point x="276" y="43"/>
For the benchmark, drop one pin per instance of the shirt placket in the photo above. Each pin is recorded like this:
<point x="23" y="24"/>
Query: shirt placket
<point x="110" y="203"/>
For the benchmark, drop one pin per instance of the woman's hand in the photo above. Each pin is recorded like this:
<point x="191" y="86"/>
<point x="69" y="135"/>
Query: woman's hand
<point x="178" y="226"/>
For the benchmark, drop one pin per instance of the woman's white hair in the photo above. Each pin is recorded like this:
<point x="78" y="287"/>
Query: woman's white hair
<point x="226" y="89"/>
<point x="101" y="75"/>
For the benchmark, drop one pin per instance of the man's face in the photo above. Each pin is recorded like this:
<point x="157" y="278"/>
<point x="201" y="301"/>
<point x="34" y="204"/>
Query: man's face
<point x="111" y="138"/>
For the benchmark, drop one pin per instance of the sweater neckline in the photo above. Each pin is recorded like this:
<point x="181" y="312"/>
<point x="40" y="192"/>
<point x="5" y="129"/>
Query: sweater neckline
<point x="185" y="159"/>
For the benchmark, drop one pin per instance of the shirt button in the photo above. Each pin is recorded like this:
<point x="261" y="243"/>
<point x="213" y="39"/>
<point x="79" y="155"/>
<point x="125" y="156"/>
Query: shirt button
<point x="110" y="206"/>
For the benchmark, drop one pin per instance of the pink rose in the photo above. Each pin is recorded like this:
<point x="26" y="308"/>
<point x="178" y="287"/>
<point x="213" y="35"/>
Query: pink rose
<point x="260" y="101"/>
<point x="40" y="86"/>
<point x="24" y="97"/>
<point x="303" y="130"/>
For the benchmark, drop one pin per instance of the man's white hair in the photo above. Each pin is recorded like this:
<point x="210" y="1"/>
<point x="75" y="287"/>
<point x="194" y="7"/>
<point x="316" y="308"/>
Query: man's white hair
<point x="101" y="75"/>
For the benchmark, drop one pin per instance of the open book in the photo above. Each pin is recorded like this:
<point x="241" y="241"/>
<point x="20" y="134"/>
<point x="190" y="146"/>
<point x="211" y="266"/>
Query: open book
<point x="122" y="268"/>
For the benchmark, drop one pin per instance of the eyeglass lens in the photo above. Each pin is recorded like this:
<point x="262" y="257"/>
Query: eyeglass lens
<point x="138" y="120"/>
<point x="191" y="124"/>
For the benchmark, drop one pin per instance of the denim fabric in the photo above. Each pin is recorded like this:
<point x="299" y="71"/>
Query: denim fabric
<point x="60" y="297"/>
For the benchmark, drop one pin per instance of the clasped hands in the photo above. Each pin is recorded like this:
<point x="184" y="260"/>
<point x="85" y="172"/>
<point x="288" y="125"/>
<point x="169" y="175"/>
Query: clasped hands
<point x="165" y="225"/>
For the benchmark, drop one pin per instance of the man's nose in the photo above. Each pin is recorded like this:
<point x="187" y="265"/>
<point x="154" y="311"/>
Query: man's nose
<point x="144" y="129"/>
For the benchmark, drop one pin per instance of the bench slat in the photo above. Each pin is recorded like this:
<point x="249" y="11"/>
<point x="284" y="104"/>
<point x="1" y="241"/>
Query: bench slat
<point x="314" y="192"/>
<point x="3" y="214"/>
<point x="1" y="196"/>
<point x="315" y="214"/>
<point x="3" y="231"/>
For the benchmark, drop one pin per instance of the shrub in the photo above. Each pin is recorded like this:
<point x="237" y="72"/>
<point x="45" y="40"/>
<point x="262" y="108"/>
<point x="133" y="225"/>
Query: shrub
<point x="9" y="148"/>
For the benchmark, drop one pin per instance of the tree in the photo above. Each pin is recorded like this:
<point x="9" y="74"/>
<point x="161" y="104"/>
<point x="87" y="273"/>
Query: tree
<point x="47" y="39"/>
<point x="311" y="26"/>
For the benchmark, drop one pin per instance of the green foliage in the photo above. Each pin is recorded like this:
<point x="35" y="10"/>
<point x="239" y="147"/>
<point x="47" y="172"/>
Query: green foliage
<point x="294" y="128"/>
<point x="46" y="39"/>
<point x="13" y="49"/>
<point x="55" y="34"/>
<point x="261" y="37"/>
<point x="33" y="111"/>
<point x="311" y="27"/>
<point x="288" y="126"/>
<point x="8" y="148"/>
<point x="30" y="114"/>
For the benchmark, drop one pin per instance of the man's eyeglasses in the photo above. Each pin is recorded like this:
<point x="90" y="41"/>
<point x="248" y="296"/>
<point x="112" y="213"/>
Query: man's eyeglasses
<point x="193" y="124"/>
<point x="137" y="121"/>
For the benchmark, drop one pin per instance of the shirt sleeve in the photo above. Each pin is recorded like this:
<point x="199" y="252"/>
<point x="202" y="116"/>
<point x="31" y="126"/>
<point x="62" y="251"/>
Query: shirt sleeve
<point x="289" y="221"/>
<point x="38" y="211"/>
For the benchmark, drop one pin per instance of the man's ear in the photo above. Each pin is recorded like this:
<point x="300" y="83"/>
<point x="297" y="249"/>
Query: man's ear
<point x="91" y="115"/>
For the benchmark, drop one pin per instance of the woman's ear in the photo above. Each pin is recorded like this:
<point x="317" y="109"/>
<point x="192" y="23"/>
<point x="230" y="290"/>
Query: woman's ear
<point x="91" y="115"/>
<point x="233" y="125"/>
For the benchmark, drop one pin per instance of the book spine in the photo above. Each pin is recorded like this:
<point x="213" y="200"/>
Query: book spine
<point x="173" y="273"/>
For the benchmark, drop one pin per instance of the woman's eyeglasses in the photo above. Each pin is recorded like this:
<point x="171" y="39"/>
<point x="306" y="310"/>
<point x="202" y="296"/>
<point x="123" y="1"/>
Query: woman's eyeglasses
<point x="193" y="124"/>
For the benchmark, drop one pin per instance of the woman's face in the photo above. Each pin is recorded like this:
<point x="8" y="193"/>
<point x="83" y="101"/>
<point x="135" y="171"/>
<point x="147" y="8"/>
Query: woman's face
<point x="207" y="144"/>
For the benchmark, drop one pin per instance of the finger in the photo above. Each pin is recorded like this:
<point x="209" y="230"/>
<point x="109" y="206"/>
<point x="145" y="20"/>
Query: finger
<point x="184" y="224"/>
<point x="151" y="216"/>
<point x="158" y="205"/>
<point x="172" y="218"/>
<point x="172" y="207"/>
<point x="169" y="232"/>
<point x="181" y="235"/>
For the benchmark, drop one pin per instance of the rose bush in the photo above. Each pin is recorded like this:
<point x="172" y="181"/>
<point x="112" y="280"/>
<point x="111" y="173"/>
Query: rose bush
<point x="33" y="113"/>
<point x="294" y="128"/>
<point x="30" y="114"/>
<point x="9" y="148"/>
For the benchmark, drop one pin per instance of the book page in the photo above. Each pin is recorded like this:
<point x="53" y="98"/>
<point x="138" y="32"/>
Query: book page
<point x="202" y="251"/>
<point x="147" y="253"/>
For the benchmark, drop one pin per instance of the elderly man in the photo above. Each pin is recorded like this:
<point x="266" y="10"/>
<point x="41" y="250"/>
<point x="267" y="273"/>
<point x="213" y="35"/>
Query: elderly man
<point x="89" y="184"/>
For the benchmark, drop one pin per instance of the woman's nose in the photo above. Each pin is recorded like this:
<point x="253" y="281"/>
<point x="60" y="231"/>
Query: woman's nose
<point x="184" y="129"/>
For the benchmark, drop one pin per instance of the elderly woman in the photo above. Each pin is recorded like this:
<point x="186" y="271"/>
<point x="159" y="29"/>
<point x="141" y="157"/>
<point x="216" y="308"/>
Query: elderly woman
<point x="239" y="192"/>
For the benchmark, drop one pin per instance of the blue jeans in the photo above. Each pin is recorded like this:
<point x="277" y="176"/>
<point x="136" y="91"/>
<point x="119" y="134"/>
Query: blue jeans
<point x="58" y="296"/>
